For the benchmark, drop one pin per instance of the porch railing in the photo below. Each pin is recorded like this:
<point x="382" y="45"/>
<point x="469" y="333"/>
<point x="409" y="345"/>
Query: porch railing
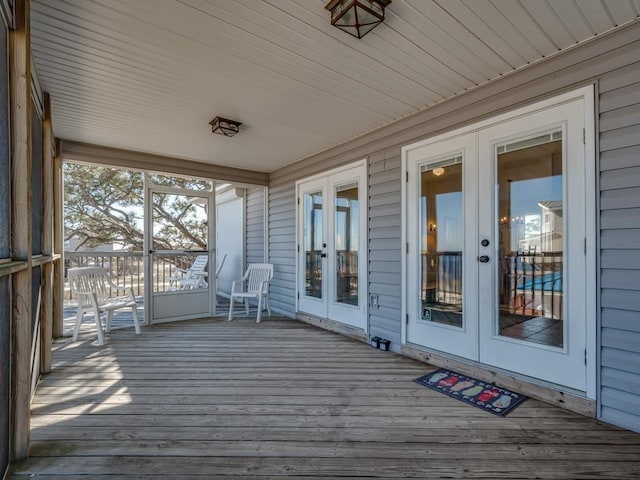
<point x="530" y="284"/>
<point x="127" y="268"/>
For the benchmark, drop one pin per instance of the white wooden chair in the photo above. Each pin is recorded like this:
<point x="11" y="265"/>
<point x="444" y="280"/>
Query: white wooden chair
<point x="92" y="286"/>
<point x="192" y="277"/>
<point x="256" y="278"/>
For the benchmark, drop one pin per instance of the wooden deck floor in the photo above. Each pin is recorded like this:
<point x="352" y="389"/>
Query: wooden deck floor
<point x="212" y="399"/>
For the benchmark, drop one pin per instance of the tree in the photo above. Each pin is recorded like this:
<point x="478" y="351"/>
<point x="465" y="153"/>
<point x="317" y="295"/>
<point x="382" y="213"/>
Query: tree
<point x="105" y="206"/>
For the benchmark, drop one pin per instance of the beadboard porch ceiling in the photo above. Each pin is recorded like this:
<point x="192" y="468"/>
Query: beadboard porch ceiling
<point x="148" y="75"/>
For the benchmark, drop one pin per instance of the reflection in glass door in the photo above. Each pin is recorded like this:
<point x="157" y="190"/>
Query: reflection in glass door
<point x="332" y="246"/>
<point x="347" y="244"/>
<point x="442" y="239"/>
<point x="313" y="235"/>
<point x="530" y="210"/>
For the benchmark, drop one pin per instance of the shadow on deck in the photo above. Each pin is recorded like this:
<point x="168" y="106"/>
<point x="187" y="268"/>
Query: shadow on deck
<point x="281" y="399"/>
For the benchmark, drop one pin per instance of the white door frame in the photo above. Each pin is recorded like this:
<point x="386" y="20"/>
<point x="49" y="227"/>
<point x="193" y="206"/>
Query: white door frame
<point x="327" y="308"/>
<point x="587" y="95"/>
<point x="149" y="190"/>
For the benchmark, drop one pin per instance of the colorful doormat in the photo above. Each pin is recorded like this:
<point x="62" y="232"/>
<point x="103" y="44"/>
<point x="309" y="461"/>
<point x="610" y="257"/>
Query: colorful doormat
<point x="486" y="396"/>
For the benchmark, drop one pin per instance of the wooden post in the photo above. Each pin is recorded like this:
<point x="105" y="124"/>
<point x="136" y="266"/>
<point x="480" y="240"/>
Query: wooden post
<point x="20" y="108"/>
<point x="58" y="243"/>
<point x="46" y="327"/>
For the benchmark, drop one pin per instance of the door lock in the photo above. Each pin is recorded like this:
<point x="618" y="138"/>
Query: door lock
<point x="323" y="255"/>
<point x="483" y="259"/>
<point x="484" y="242"/>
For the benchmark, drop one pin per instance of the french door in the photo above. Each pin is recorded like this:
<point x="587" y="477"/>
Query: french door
<point x="332" y="244"/>
<point x="497" y="268"/>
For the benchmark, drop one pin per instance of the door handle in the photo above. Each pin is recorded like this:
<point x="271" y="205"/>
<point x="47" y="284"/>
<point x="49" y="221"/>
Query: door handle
<point x="483" y="259"/>
<point x="323" y="255"/>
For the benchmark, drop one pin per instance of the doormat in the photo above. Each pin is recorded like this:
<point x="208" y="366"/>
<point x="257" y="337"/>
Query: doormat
<point x="486" y="396"/>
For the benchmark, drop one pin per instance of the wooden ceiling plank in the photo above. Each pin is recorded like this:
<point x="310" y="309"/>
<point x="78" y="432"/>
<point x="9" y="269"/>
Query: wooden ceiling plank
<point x="484" y="32"/>
<point x="69" y="63"/>
<point x="491" y="16"/>
<point x="428" y="46"/>
<point x="252" y="51"/>
<point x="597" y="14"/>
<point x="519" y="17"/>
<point x="572" y="19"/>
<point x="321" y="100"/>
<point x="380" y="46"/>
<point x="319" y="49"/>
<point x="264" y="61"/>
<point x="622" y="10"/>
<point x="435" y="22"/>
<point x="550" y="23"/>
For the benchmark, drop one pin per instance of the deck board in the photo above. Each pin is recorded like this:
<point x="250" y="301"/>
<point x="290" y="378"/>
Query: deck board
<point x="282" y="399"/>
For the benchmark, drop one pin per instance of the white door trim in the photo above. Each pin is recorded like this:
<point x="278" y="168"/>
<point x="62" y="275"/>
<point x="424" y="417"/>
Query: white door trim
<point x="587" y="95"/>
<point x="363" y="251"/>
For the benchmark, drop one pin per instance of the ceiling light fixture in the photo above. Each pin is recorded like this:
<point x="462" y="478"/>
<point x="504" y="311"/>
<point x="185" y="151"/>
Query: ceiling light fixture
<point x="357" y="17"/>
<point x="224" y="126"/>
<point x="438" y="171"/>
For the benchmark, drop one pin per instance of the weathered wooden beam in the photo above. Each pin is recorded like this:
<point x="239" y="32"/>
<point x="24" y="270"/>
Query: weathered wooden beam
<point x="58" y="243"/>
<point x="46" y="327"/>
<point x="20" y="109"/>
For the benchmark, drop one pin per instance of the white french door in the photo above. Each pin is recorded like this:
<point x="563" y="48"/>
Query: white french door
<point x="497" y="227"/>
<point x="332" y="243"/>
<point x="442" y="271"/>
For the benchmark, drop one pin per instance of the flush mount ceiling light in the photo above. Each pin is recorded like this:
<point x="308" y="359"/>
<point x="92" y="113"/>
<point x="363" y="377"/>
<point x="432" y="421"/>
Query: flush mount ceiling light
<point x="357" y="17"/>
<point x="438" y="171"/>
<point x="224" y="126"/>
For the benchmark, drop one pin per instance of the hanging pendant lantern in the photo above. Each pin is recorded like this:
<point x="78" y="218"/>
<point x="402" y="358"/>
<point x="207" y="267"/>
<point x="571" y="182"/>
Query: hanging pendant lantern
<point x="357" y="17"/>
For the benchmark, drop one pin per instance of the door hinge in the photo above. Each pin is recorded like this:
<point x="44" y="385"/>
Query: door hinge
<point x="585" y="356"/>
<point x="298" y="248"/>
<point x="406" y="176"/>
<point x="298" y="200"/>
<point x="407" y="248"/>
<point x="298" y="295"/>
<point x="585" y="246"/>
<point x="584" y="136"/>
<point x="406" y="319"/>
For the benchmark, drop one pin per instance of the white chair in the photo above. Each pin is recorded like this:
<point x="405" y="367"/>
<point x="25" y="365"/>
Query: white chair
<point x="256" y="278"/>
<point x="192" y="277"/>
<point x="93" y="286"/>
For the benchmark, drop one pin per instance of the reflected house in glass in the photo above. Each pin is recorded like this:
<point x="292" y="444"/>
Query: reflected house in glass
<point x="552" y="226"/>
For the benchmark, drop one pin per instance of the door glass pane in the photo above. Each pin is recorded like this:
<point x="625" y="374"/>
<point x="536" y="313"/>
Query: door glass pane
<point x="313" y="244"/>
<point x="347" y="241"/>
<point x="530" y="240"/>
<point x="441" y="240"/>
<point x="179" y="223"/>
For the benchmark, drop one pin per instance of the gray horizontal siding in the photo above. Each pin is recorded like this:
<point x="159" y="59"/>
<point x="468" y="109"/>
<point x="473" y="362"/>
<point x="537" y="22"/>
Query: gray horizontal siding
<point x="619" y="374"/>
<point x="255" y="228"/>
<point x="282" y="247"/>
<point x="385" y="245"/>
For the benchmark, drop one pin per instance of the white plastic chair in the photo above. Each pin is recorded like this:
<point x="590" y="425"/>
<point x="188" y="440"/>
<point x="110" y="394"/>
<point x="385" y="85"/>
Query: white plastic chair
<point x="256" y="278"/>
<point x="192" y="277"/>
<point x="92" y="286"/>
